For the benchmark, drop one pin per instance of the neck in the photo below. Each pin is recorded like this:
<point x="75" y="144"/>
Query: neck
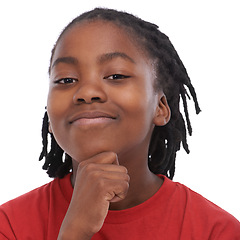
<point x="143" y="185"/>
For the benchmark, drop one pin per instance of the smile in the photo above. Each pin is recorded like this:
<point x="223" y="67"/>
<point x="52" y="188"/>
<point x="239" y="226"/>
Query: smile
<point x="90" y="118"/>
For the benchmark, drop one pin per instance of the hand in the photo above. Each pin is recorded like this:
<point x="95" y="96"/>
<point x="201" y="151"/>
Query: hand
<point x="99" y="181"/>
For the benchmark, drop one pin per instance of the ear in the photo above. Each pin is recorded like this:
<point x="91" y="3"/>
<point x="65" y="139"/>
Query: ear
<point x="163" y="112"/>
<point x="49" y="127"/>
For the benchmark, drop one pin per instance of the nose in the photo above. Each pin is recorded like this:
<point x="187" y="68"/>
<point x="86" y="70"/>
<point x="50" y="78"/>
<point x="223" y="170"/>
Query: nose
<point x="90" y="93"/>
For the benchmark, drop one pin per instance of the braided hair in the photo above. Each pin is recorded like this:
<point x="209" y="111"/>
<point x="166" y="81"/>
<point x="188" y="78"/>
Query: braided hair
<point x="171" y="77"/>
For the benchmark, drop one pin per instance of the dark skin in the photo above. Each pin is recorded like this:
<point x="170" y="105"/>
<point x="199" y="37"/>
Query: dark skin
<point x="102" y="109"/>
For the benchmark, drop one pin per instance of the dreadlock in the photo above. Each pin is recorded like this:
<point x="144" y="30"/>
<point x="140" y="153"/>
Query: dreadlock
<point x="171" y="77"/>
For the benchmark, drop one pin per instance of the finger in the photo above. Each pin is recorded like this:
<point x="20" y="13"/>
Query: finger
<point x="103" y="167"/>
<point x="116" y="190"/>
<point x="97" y="172"/>
<point x="121" y="176"/>
<point x="104" y="157"/>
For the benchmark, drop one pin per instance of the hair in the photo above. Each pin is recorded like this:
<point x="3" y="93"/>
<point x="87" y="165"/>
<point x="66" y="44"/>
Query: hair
<point x="171" y="77"/>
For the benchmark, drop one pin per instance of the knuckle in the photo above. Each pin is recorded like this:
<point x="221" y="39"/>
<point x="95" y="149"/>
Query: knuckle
<point x="127" y="178"/>
<point x="105" y="157"/>
<point x="101" y="182"/>
<point x="89" y="170"/>
<point x="126" y="186"/>
<point x="122" y="190"/>
<point x="110" y="156"/>
<point x="124" y="169"/>
<point x="82" y="164"/>
<point x="122" y="186"/>
<point x="89" y="167"/>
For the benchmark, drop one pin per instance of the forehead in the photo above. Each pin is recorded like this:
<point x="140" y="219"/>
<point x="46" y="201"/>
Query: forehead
<point x="97" y="37"/>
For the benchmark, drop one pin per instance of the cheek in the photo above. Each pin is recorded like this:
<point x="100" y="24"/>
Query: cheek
<point x="138" y="113"/>
<point x="138" y="103"/>
<point x="56" y="107"/>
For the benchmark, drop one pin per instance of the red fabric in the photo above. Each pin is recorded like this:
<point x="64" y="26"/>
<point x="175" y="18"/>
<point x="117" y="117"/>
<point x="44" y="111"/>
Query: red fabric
<point x="174" y="212"/>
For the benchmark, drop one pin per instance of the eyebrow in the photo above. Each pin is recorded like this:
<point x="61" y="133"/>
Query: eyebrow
<point x="110" y="56"/>
<point x="101" y="59"/>
<point x="68" y="60"/>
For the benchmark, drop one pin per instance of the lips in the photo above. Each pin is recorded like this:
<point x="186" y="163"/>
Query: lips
<point x="91" y="117"/>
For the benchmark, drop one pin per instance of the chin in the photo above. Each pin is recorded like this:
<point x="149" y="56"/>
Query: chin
<point x="87" y="153"/>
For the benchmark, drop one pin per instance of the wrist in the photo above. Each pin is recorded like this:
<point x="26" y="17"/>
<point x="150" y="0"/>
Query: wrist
<point x="70" y="234"/>
<point x="67" y="236"/>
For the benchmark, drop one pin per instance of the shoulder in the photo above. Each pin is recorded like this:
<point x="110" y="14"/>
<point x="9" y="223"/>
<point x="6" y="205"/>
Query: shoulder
<point x="197" y="202"/>
<point x="202" y="215"/>
<point x="193" y="199"/>
<point x="31" y="211"/>
<point x="27" y="203"/>
<point x="17" y="213"/>
<point x="28" y="199"/>
<point x="40" y="196"/>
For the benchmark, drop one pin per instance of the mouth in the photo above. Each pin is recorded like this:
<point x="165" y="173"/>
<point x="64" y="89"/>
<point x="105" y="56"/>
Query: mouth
<point x="95" y="117"/>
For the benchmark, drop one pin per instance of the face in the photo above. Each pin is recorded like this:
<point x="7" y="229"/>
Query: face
<point x="101" y="95"/>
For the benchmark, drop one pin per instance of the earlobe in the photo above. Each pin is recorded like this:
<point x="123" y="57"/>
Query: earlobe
<point x="163" y="112"/>
<point x="49" y="127"/>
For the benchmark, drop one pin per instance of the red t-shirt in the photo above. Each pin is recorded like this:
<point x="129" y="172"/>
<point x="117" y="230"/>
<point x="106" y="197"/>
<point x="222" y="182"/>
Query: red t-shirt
<point x="174" y="212"/>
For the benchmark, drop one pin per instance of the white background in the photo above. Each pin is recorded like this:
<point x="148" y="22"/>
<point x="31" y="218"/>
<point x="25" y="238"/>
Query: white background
<point x="206" y="36"/>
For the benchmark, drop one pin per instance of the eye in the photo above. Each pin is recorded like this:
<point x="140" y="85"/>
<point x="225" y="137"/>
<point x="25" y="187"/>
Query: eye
<point x="116" y="77"/>
<point x="66" y="81"/>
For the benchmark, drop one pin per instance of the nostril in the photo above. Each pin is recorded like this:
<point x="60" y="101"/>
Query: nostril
<point x="95" y="98"/>
<point x="80" y="100"/>
<point x="89" y="94"/>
